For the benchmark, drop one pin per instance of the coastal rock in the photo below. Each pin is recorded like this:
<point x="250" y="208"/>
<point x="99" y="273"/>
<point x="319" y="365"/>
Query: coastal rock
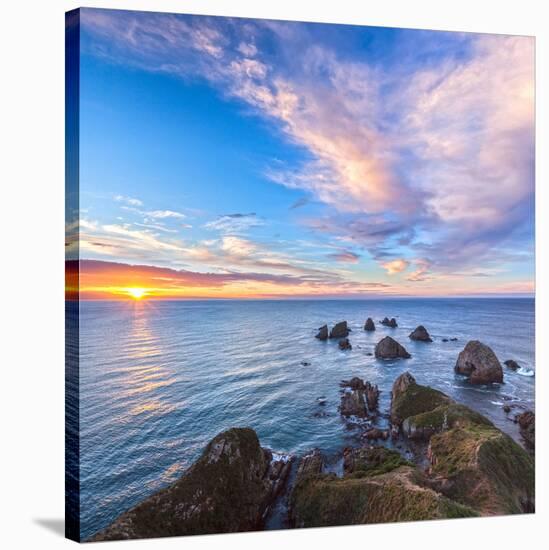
<point x="369" y="325"/>
<point x="354" y="383"/>
<point x="387" y="348"/>
<point x="527" y="425"/>
<point x="389" y="322"/>
<point x="370" y="392"/>
<point x="479" y="363"/>
<point x="372" y="396"/>
<point x="377" y="486"/>
<point x="511" y="364"/>
<point x="408" y="398"/>
<point x="228" y="489"/>
<point x="472" y="461"/>
<point x="340" y="330"/>
<point x="375" y="433"/>
<point x="353" y="403"/>
<point x="345" y="344"/>
<point x="420" y="334"/>
<point x="479" y="466"/>
<point x="322" y="333"/>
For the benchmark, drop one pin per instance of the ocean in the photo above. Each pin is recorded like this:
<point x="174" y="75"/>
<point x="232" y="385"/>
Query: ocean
<point x="159" y="379"/>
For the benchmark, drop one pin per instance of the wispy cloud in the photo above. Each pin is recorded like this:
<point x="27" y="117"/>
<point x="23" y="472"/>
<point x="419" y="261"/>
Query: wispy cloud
<point x="235" y="223"/>
<point x="428" y="164"/>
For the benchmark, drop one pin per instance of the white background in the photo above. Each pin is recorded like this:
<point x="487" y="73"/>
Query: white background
<point x="32" y="254"/>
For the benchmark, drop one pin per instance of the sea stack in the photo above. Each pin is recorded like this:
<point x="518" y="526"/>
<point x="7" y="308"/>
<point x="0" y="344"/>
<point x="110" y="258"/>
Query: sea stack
<point x="322" y="333"/>
<point x="479" y="363"/>
<point x="369" y="325"/>
<point x="420" y="334"/>
<point x="389" y="322"/>
<point x="388" y="348"/>
<point x="340" y="330"/>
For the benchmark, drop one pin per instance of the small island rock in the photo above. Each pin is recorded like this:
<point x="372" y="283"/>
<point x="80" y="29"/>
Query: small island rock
<point x="420" y="334"/>
<point x="322" y="333"/>
<point x="388" y="348"/>
<point x="511" y="364"/>
<point x="345" y="344"/>
<point x="479" y="363"/>
<point x="369" y="325"/>
<point x="340" y="330"/>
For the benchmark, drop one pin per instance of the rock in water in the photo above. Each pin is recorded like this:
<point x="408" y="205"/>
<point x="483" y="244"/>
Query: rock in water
<point x="479" y="363"/>
<point x="513" y="365"/>
<point x="527" y="425"/>
<point x="369" y="325"/>
<point x="420" y="334"/>
<point x="372" y="396"/>
<point x="387" y="348"/>
<point x="229" y="489"/>
<point x="389" y="323"/>
<point x="353" y="404"/>
<point x="322" y="333"/>
<point x="345" y="344"/>
<point x="340" y="330"/>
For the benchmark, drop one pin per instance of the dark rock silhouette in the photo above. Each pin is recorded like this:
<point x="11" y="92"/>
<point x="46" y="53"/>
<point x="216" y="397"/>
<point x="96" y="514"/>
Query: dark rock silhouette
<point x="389" y="322"/>
<point x="388" y="348"/>
<point x="369" y="325"/>
<point x="420" y="334"/>
<point x="513" y="365"/>
<point x="345" y="344"/>
<point x="322" y="333"/>
<point x="479" y="363"/>
<point x="229" y="489"/>
<point x="340" y="330"/>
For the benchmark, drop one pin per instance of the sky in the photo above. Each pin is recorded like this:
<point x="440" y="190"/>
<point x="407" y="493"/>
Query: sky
<point x="242" y="158"/>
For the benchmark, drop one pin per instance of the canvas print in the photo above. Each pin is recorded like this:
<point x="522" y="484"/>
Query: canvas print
<point x="299" y="275"/>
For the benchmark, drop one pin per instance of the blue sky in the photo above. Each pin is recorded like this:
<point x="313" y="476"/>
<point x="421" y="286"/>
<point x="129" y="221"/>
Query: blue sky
<point x="296" y="159"/>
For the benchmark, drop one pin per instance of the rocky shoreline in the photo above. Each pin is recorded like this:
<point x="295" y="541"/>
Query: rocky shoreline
<point x="437" y="459"/>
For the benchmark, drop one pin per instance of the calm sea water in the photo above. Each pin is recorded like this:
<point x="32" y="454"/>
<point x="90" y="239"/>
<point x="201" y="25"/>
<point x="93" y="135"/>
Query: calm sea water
<point x="158" y="380"/>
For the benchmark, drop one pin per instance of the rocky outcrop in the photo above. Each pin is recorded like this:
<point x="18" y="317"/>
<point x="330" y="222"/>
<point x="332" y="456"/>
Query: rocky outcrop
<point x="408" y="398"/>
<point x="479" y="363"/>
<point x="340" y="330"/>
<point x="369" y="325"/>
<point x="420" y="334"/>
<point x="527" y="425"/>
<point x="322" y="333"/>
<point x="388" y="348"/>
<point x="375" y="433"/>
<point x="472" y="461"/>
<point x="353" y="403"/>
<point x="369" y="393"/>
<point x="511" y="364"/>
<point x="389" y="322"/>
<point x="229" y="489"/>
<point x="377" y="486"/>
<point x="345" y="344"/>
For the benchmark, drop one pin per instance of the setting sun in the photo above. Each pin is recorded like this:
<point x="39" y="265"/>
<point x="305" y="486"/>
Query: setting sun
<point x="136" y="293"/>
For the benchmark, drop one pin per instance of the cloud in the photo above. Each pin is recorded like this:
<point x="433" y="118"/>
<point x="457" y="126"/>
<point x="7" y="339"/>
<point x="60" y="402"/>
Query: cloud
<point x="128" y="200"/>
<point x="234" y="223"/>
<point x="395" y="266"/>
<point x="299" y="203"/>
<point x="162" y="214"/>
<point x="344" y="256"/>
<point x="103" y="279"/>
<point x="430" y="159"/>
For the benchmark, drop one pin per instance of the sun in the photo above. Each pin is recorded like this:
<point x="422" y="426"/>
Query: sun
<point x="136" y="293"/>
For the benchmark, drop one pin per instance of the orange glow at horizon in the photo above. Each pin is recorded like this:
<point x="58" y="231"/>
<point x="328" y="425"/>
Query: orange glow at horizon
<point x="136" y="293"/>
